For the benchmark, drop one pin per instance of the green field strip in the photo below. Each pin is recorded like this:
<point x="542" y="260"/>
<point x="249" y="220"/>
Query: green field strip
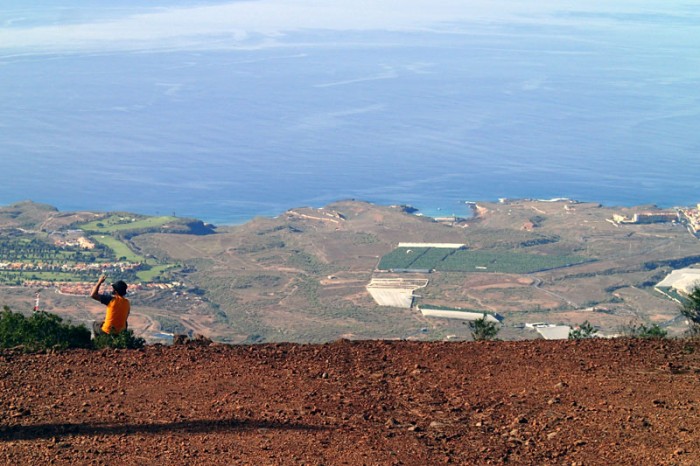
<point x="153" y="272"/>
<point x="505" y="262"/>
<point x="432" y="256"/>
<point x="401" y="258"/>
<point x="48" y="276"/>
<point x="467" y="260"/>
<point x="118" y="223"/>
<point x="119" y="248"/>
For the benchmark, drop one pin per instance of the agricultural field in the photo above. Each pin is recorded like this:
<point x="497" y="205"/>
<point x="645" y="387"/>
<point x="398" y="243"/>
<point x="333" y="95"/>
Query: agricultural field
<point x="119" y="250"/>
<point x="34" y="257"/>
<point x="466" y="260"/>
<point x="37" y="248"/>
<point x="77" y="255"/>
<point x="116" y="223"/>
<point x="154" y="273"/>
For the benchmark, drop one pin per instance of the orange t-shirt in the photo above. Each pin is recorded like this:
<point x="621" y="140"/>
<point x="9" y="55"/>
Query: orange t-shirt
<point x="117" y="312"/>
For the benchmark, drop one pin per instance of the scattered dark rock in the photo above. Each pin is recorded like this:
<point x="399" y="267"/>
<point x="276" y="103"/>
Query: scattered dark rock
<point x="348" y="403"/>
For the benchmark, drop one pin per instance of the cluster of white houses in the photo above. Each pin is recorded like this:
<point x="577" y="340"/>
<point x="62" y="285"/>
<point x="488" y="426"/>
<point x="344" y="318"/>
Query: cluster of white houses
<point x="689" y="216"/>
<point x="682" y="281"/>
<point x="692" y="219"/>
<point x="646" y="217"/>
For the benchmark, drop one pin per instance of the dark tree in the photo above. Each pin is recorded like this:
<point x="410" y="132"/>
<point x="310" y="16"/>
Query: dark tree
<point x="691" y="310"/>
<point x="583" y="332"/>
<point x="483" y="329"/>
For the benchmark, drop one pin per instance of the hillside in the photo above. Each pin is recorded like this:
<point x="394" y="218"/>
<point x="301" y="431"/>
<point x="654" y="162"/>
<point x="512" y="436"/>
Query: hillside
<point x="302" y="276"/>
<point x="596" y="402"/>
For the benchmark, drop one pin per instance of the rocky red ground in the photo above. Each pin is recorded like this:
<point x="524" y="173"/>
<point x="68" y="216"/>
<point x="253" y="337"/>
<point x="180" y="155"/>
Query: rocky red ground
<point x="591" y="402"/>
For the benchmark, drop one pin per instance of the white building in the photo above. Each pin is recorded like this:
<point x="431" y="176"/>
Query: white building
<point x="433" y="245"/>
<point x="460" y="314"/>
<point x="554" y="332"/>
<point x="683" y="280"/>
<point x="395" y="292"/>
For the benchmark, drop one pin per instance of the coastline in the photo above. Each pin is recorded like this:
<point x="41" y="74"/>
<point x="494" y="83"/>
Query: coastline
<point x="462" y="209"/>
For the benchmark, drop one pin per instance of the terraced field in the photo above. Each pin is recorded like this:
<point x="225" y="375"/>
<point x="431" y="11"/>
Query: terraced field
<point x="466" y="260"/>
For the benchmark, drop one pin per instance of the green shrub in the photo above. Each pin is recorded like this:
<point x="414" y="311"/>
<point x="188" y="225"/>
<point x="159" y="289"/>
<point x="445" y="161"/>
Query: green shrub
<point x="583" y="332"/>
<point x="643" y="331"/>
<point x="124" y="340"/>
<point x="691" y="311"/>
<point x="483" y="329"/>
<point x="40" y="331"/>
<point x="13" y="327"/>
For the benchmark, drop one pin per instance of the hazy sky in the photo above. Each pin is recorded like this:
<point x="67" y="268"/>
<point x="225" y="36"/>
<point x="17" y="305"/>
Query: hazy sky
<point x="83" y="26"/>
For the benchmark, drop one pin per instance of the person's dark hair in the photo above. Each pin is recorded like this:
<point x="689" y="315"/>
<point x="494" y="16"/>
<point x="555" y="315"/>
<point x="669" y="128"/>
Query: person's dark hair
<point x="119" y="287"/>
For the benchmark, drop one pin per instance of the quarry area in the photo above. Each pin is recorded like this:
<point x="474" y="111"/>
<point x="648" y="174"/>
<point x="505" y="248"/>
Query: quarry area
<point x="586" y="402"/>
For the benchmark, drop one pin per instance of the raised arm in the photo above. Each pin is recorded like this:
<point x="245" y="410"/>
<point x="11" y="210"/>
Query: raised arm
<point x="96" y="289"/>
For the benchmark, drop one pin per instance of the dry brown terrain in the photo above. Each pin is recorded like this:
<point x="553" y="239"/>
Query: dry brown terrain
<point x="301" y="276"/>
<point x="607" y="402"/>
<point x="270" y="276"/>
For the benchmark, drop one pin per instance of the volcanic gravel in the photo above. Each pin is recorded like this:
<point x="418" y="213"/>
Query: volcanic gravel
<point x="608" y="402"/>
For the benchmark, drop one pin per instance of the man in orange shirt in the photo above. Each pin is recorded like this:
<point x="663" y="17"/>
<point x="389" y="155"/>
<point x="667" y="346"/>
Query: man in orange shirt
<point x="118" y="308"/>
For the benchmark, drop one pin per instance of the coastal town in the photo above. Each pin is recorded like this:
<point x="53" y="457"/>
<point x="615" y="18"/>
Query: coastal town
<point x="688" y="216"/>
<point x="71" y="258"/>
<point x="692" y="219"/>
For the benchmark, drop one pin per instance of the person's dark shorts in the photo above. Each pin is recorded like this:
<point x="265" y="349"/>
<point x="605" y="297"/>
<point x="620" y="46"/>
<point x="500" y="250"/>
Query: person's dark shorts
<point x="97" y="328"/>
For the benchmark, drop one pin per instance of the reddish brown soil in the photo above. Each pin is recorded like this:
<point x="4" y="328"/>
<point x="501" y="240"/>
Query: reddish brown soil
<point x="606" y="402"/>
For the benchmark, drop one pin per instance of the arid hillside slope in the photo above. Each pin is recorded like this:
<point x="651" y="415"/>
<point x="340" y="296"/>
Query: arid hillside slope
<point x="356" y="402"/>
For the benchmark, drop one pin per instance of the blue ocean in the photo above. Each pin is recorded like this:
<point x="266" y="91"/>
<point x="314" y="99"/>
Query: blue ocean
<point x="225" y="111"/>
